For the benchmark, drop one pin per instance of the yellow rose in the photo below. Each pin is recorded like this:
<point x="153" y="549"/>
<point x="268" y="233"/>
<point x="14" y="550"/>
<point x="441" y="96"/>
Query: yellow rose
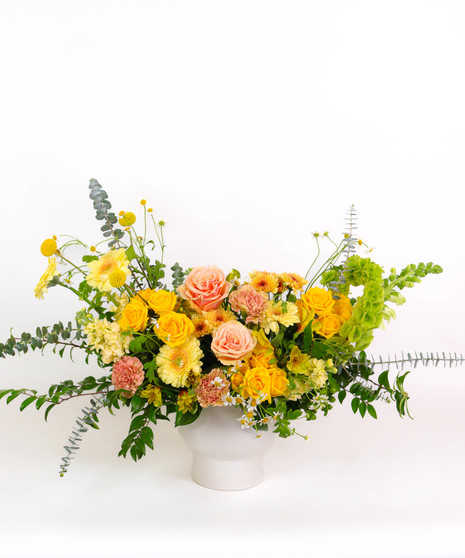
<point x="134" y="315"/>
<point x="329" y="325"/>
<point x="278" y="382"/>
<point x="257" y="382"/>
<point x="161" y="301"/>
<point x="319" y="300"/>
<point x="174" y="328"/>
<point x="343" y="308"/>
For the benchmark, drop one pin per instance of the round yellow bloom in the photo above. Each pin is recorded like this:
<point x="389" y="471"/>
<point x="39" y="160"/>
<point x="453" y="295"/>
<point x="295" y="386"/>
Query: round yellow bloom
<point x="330" y="325"/>
<point x="127" y="219"/>
<point x="174" y="328"/>
<point x="117" y="278"/>
<point x="143" y="202"/>
<point x="101" y="269"/>
<point x="343" y="308"/>
<point x="149" y="210"/>
<point x="179" y="366"/>
<point x="159" y="301"/>
<point x="50" y="272"/>
<point x="48" y="247"/>
<point x="319" y="300"/>
<point x="93" y="249"/>
<point x="134" y="315"/>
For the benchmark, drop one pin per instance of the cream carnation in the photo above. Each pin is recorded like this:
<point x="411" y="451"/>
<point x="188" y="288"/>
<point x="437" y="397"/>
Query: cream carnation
<point x="205" y="288"/>
<point x="231" y="342"/>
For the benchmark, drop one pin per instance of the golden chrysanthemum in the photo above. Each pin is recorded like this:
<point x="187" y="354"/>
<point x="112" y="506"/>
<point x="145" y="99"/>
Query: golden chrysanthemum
<point x="101" y="269"/>
<point x="201" y="325"/>
<point x="218" y="316"/>
<point x="293" y="281"/>
<point x="50" y="272"/>
<point x="48" y="247"/>
<point x="178" y="366"/>
<point x="264" y="281"/>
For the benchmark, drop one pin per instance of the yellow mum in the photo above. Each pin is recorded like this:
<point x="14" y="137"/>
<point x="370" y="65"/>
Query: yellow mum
<point x="284" y="313"/>
<point x="174" y="328"/>
<point x="101" y="269"/>
<point x="179" y="366"/>
<point x="265" y="281"/>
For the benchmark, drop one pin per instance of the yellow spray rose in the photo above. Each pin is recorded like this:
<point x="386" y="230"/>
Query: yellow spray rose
<point x="174" y="328"/>
<point x="343" y="308"/>
<point x="134" y="315"/>
<point x="278" y="382"/>
<point x="257" y="382"/>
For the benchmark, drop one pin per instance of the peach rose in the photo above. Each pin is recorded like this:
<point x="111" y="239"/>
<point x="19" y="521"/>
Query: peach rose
<point x="205" y="288"/>
<point x="231" y="342"/>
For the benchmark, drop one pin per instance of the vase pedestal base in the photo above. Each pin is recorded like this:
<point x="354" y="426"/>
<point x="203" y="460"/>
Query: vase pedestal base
<point x="227" y="475"/>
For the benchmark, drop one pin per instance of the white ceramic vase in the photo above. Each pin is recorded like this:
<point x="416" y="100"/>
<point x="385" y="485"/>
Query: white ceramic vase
<point x="225" y="456"/>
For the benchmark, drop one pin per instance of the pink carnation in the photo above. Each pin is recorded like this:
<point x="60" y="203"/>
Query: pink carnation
<point x="231" y="342"/>
<point x="247" y="299"/>
<point x="205" y="288"/>
<point x="212" y="388"/>
<point x="128" y="374"/>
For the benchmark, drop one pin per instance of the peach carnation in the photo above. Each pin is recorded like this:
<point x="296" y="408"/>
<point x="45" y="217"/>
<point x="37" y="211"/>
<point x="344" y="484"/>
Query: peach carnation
<point x="205" y="288"/>
<point x="231" y="342"/>
<point x="212" y="388"/>
<point x="128" y="374"/>
<point x="250" y="301"/>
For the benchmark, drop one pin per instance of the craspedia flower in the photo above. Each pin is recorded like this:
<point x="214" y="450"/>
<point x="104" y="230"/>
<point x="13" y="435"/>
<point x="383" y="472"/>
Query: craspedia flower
<point x="48" y="247"/>
<point x="93" y="249"/>
<point x="117" y="278"/>
<point x="178" y="366"/>
<point x="143" y="202"/>
<point x="127" y="219"/>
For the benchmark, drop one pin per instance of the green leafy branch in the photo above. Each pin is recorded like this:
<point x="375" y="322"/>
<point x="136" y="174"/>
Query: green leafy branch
<point x="102" y="208"/>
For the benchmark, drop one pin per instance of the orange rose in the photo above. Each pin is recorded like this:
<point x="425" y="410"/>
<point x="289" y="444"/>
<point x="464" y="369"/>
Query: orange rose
<point x="205" y="288"/>
<point x="174" y="328"/>
<point x="134" y="315"/>
<point x="231" y="342"/>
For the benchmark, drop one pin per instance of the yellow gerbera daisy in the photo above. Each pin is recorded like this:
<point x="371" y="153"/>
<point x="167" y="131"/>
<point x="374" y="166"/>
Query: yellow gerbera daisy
<point x="284" y="313"/>
<point x="50" y="272"/>
<point x="264" y="281"/>
<point x="201" y="325"/>
<point x="101" y="269"/>
<point x="179" y="365"/>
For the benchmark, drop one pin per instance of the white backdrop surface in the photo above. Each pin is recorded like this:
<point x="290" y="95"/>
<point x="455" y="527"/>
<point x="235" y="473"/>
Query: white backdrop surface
<point x="247" y="126"/>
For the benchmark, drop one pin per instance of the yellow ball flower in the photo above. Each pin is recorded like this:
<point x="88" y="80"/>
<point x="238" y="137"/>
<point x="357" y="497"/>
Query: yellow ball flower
<point x="127" y="219"/>
<point x="143" y="202"/>
<point x="134" y="315"/>
<point x="117" y="278"/>
<point x="48" y="247"/>
<point x="174" y="329"/>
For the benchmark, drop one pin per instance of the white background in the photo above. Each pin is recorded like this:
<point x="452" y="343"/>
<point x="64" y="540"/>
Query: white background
<point x="247" y="125"/>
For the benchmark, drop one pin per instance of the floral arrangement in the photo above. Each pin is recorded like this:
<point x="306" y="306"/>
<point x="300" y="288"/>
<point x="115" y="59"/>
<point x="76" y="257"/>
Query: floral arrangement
<point x="279" y="346"/>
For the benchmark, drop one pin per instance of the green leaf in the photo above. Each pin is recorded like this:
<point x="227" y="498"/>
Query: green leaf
<point x="383" y="380"/>
<point x="27" y="402"/>
<point x="4" y="392"/>
<point x="341" y="396"/>
<point x="372" y="411"/>
<point x="355" y="403"/>
<point x="14" y="394"/>
<point x="48" y="409"/>
<point x="131" y="253"/>
<point x="362" y="408"/>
